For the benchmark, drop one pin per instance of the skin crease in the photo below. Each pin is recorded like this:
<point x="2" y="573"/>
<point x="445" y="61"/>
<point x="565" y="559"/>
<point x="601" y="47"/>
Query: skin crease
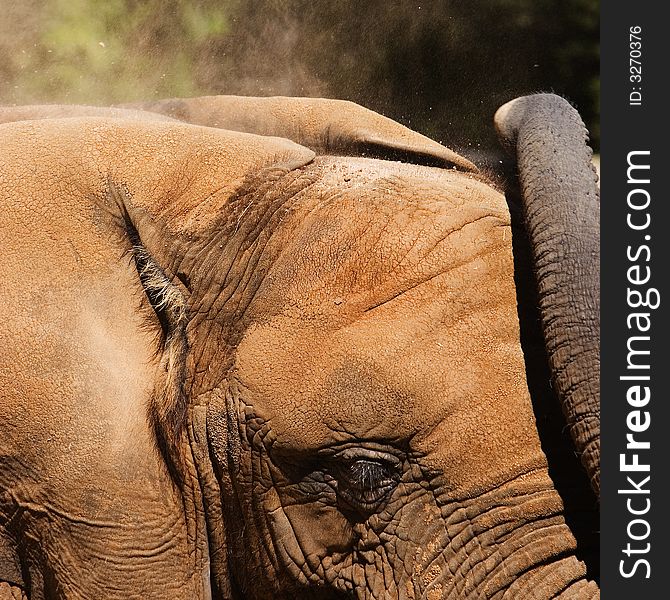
<point x="374" y="311"/>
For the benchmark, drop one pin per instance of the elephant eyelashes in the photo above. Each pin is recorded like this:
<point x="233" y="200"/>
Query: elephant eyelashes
<point x="363" y="481"/>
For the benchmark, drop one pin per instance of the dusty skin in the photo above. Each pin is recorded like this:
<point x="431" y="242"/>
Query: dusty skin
<point x="242" y="366"/>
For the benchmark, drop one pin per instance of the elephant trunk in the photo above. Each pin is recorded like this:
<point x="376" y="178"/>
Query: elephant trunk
<point x="512" y="541"/>
<point x="562" y="213"/>
<point x="561" y="579"/>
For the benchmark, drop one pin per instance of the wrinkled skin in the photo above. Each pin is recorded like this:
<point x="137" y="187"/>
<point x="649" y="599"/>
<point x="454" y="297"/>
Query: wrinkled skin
<point x="234" y="369"/>
<point x="539" y="129"/>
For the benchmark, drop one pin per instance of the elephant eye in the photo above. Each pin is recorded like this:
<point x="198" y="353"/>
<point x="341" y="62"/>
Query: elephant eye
<point x="364" y="479"/>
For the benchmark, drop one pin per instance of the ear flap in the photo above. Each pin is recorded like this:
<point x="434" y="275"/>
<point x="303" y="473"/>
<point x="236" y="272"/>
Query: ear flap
<point x="180" y="194"/>
<point x="183" y="175"/>
<point x="86" y="198"/>
<point x="326" y="126"/>
<point x="167" y="194"/>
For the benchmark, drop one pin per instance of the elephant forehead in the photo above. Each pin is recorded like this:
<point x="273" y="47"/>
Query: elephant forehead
<point x="374" y="233"/>
<point x="391" y="315"/>
<point x="379" y="378"/>
<point x="443" y="351"/>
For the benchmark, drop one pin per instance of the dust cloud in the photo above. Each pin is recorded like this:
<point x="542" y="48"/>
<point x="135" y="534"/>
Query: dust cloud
<point x="441" y="68"/>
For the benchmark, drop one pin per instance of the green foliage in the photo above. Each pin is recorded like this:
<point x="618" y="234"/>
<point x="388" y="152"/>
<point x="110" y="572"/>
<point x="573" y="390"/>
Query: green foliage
<point x="442" y="67"/>
<point x="106" y="51"/>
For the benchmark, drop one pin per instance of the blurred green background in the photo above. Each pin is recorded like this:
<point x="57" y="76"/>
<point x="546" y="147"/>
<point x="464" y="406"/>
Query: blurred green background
<point x="440" y="67"/>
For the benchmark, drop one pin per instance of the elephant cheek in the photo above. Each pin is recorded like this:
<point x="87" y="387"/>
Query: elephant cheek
<point x="306" y="533"/>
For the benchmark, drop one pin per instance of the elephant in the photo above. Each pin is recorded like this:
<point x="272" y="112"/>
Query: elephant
<point x="285" y="347"/>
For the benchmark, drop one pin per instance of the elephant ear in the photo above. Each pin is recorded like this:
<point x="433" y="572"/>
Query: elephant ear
<point x="165" y="185"/>
<point x="161" y="208"/>
<point x="561" y="209"/>
<point x="326" y="126"/>
<point x="178" y="187"/>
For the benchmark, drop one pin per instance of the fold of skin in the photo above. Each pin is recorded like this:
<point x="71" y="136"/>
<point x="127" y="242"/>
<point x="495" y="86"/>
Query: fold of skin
<point x="326" y="126"/>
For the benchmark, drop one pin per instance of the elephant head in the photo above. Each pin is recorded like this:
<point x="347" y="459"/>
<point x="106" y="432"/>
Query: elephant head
<point x="248" y="367"/>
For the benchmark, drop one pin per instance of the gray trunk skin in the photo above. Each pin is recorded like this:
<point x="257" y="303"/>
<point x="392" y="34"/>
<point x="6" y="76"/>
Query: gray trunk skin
<point x="562" y="213"/>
